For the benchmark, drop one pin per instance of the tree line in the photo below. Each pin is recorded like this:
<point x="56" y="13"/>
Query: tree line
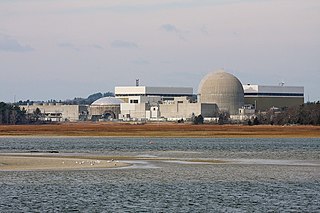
<point x="306" y="114"/>
<point x="11" y="114"/>
<point x="85" y="101"/>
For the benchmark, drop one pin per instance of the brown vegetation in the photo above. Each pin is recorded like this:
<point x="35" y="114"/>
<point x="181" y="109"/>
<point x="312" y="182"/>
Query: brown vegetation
<point x="158" y="130"/>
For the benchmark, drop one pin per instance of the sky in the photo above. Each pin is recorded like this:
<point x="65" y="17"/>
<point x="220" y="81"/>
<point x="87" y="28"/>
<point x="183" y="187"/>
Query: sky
<point x="64" y="49"/>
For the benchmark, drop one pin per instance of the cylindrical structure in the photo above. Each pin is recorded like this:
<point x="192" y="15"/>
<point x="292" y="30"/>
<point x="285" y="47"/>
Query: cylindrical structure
<point x="223" y="89"/>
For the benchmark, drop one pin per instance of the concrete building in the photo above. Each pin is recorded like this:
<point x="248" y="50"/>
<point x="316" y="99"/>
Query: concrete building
<point x="184" y="108"/>
<point x="266" y="97"/>
<point x="106" y="108"/>
<point x="143" y="103"/>
<point x="223" y="89"/>
<point x="140" y="94"/>
<point x="57" y="112"/>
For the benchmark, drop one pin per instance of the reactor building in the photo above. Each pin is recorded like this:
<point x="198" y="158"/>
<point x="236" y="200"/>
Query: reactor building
<point x="223" y="89"/>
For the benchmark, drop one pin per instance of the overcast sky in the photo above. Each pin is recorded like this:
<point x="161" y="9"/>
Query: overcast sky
<point x="63" y="49"/>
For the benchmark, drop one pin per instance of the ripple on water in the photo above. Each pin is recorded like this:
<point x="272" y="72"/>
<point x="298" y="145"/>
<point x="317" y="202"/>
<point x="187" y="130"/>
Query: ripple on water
<point x="168" y="187"/>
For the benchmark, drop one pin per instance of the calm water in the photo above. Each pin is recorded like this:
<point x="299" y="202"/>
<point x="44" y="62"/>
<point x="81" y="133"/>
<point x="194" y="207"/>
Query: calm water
<point x="266" y="175"/>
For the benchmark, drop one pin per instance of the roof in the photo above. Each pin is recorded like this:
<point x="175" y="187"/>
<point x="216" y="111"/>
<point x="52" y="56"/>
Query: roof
<point x="107" y="101"/>
<point x="220" y="82"/>
<point x="157" y="91"/>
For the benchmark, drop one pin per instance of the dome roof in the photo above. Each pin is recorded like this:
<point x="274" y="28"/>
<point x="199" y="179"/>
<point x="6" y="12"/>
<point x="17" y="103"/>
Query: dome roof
<point x="224" y="89"/>
<point x="107" y="101"/>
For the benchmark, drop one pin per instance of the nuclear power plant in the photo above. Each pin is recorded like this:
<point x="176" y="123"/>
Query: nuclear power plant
<point x="219" y="92"/>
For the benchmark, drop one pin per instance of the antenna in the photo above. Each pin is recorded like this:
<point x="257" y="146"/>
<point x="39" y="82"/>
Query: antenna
<point x="281" y="83"/>
<point x="137" y="82"/>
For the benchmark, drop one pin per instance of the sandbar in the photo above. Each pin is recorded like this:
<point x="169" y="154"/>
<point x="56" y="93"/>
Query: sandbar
<point x="31" y="163"/>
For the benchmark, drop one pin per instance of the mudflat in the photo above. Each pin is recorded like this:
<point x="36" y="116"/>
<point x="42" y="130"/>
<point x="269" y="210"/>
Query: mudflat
<point x="112" y="129"/>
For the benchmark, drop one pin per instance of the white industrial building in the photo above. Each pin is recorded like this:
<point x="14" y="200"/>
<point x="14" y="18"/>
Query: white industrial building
<point x="144" y="91"/>
<point x="154" y="103"/>
<point x="266" y="97"/>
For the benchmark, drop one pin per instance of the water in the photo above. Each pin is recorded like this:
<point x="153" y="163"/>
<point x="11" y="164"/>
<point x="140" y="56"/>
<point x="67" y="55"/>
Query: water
<point x="264" y="175"/>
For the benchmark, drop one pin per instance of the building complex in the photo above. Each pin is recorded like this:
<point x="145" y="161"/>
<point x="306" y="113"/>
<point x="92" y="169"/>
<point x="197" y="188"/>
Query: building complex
<point x="218" y="93"/>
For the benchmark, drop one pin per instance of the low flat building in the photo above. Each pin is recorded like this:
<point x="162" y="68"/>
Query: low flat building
<point x="143" y="102"/>
<point x="266" y="97"/>
<point x="57" y="112"/>
<point x="183" y="108"/>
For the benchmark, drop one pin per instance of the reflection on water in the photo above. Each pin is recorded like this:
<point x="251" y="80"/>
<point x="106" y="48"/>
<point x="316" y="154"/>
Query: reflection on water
<point x="272" y="175"/>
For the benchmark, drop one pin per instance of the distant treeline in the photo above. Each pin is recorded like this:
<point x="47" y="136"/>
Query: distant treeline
<point x="76" y="101"/>
<point x="90" y="99"/>
<point x="306" y="114"/>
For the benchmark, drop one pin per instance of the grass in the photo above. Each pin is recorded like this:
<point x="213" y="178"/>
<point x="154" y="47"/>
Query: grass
<point x="158" y="130"/>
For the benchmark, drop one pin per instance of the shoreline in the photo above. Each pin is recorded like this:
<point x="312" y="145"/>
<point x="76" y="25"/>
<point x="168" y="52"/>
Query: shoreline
<point x="153" y="130"/>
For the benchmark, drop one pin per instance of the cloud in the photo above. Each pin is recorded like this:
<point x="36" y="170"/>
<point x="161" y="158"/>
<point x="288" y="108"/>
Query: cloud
<point x="140" y="61"/>
<point x="68" y="46"/>
<point x="169" y="28"/>
<point x="173" y="29"/>
<point x="8" y="44"/>
<point x="204" y="30"/>
<point x="97" y="46"/>
<point x="124" y="44"/>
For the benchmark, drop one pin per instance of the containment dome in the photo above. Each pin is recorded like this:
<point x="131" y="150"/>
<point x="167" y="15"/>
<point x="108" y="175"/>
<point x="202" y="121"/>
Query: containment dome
<point x="223" y="89"/>
<point x="105" y="101"/>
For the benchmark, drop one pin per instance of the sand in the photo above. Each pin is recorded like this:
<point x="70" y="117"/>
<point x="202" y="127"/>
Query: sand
<point x="31" y="163"/>
<point x="112" y="129"/>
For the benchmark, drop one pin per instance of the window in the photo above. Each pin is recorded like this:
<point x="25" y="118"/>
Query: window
<point x="134" y="101"/>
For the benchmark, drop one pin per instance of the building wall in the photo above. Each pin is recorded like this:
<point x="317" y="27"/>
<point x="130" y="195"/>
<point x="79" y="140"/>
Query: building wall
<point x="179" y="110"/>
<point x="56" y="112"/>
<point x="140" y="99"/>
<point x="260" y="89"/>
<point x="169" y="90"/>
<point x="209" y="110"/>
<point x="265" y="97"/>
<point x="182" y="108"/>
<point x="265" y="103"/>
<point x="99" y="111"/>
<point x="158" y="91"/>
<point x="131" y="110"/>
